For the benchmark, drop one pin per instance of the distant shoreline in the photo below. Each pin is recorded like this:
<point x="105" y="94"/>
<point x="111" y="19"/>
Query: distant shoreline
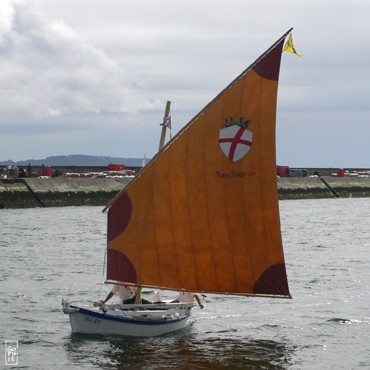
<point x="76" y="160"/>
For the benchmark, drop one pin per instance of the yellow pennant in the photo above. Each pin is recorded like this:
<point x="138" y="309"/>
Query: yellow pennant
<point x="289" y="47"/>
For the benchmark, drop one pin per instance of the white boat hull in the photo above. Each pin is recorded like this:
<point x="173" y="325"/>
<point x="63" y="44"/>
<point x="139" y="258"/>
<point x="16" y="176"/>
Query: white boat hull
<point x="130" y="320"/>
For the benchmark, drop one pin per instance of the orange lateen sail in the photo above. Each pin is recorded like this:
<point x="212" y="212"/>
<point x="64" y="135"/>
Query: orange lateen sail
<point x="203" y="214"/>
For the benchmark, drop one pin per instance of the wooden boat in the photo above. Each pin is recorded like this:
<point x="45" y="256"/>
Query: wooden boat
<point x="202" y="215"/>
<point x="141" y="320"/>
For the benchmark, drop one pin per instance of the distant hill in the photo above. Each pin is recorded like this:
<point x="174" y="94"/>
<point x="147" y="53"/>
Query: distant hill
<point x="76" y="160"/>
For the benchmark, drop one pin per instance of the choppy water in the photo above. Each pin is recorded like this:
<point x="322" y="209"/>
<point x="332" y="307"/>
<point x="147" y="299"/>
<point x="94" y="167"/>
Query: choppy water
<point x="47" y="254"/>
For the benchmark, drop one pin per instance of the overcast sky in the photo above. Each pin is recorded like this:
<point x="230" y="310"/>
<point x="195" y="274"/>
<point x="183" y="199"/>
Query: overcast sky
<point x="93" y="76"/>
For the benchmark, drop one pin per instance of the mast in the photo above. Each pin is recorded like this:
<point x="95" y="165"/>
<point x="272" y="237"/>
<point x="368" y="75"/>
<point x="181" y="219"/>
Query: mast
<point x="164" y="125"/>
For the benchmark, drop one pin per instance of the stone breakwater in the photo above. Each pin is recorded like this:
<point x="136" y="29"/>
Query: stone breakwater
<point x="323" y="187"/>
<point x="58" y="192"/>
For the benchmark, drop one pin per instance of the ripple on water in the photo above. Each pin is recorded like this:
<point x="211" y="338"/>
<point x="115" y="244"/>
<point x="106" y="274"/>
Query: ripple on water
<point x="60" y="253"/>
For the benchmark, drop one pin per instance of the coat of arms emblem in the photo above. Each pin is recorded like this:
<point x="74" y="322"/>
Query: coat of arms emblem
<point x="235" y="140"/>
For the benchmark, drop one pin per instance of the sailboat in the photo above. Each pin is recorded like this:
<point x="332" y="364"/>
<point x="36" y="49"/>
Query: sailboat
<point x="203" y="214"/>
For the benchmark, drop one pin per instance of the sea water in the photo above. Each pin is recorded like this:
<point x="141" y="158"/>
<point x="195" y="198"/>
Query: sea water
<point x="50" y="253"/>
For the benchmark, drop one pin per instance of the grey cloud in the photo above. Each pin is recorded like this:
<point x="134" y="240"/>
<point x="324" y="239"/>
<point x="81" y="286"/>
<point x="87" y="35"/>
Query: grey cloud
<point x="49" y="71"/>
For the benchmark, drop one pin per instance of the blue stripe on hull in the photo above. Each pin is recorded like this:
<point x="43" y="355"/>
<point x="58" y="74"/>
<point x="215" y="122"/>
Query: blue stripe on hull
<point x="127" y="320"/>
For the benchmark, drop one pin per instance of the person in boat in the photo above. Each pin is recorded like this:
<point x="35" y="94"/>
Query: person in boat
<point x="188" y="297"/>
<point x="127" y="293"/>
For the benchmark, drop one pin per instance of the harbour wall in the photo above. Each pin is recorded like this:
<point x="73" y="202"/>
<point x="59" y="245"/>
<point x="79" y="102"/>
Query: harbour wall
<point x="323" y="187"/>
<point x="61" y="191"/>
<point x="58" y="192"/>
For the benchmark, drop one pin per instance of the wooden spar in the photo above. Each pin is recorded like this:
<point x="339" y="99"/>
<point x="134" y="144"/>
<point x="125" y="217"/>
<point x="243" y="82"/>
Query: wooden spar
<point x="164" y="127"/>
<point x="138" y="294"/>
<point x="161" y="145"/>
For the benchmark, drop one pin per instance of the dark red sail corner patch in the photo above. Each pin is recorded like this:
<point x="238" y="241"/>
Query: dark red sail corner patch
<point x="269" y="66"/>
<point x="119" y="215"/>
<point x="119" y="267"/>
<point x="273" y="281"/>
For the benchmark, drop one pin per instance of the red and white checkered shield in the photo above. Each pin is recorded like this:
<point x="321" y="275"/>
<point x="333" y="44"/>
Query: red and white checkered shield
<point x="235" y="142"/>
